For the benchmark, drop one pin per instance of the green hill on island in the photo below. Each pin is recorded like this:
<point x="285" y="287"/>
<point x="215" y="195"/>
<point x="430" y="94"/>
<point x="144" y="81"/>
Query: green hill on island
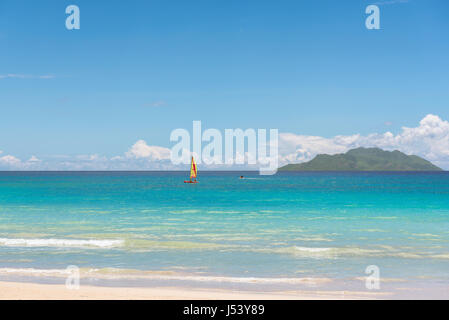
<point x="364" y="159"/>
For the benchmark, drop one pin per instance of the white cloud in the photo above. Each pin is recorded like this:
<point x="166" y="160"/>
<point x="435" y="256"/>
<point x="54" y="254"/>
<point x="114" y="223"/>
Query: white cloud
<point x="9" y="160"/>
<point x="90" y="157"/>
<point x="298" y="148"/>
<point x="429" y="140"/>
<point x="25" y="76"/>
<point x="33" y="159"/>
<point x="141" y="150"/>
<point x="46" y="76"/>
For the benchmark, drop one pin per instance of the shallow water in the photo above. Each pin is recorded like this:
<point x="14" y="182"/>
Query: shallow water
<point x="291" y="230"/>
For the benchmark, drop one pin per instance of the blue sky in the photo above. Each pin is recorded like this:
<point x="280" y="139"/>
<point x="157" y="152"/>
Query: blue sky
<point x="139" y="69"/>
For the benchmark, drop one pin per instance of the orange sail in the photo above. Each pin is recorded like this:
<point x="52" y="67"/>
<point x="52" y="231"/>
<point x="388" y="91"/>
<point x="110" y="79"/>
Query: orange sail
<point x="193" y="171"/>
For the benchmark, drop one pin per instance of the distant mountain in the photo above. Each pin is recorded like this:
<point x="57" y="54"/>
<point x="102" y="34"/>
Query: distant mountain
<point x="364" y="159"/>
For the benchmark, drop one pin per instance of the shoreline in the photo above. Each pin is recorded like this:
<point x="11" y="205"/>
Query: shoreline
<point x="37" y="291"/>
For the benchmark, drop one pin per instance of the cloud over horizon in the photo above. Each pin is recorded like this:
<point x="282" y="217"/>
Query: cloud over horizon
<point x="430" y="140"/>
<point x="141" y="150"/>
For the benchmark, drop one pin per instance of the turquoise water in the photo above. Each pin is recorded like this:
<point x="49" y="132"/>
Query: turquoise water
<point x="265" y="230"/>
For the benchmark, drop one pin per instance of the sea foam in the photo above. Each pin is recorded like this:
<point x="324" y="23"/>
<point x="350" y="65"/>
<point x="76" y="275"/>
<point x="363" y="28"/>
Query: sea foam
<point x="65" y="243"/>
<point x="113" y="273"/>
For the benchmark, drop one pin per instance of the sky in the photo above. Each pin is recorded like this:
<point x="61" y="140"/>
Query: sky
<point x="107" y="96"/>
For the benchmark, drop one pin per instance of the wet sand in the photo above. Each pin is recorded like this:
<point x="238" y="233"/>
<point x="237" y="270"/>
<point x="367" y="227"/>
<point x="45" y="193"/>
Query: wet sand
<point x="33" y="291"/>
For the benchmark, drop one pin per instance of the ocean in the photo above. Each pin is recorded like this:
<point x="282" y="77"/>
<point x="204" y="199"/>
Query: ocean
<point x="290" y="231"/>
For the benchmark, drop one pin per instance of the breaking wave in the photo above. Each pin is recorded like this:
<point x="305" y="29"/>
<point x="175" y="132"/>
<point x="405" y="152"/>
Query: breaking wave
<point x="113" y="273"/>
<point x="63" y="243"/>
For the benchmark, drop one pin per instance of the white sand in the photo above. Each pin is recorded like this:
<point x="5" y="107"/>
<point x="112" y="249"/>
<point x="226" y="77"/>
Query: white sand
<point x="24" y="291"/>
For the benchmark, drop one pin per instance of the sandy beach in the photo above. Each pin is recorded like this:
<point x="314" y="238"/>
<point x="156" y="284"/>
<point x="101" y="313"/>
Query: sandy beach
<point x="32" y="291"/>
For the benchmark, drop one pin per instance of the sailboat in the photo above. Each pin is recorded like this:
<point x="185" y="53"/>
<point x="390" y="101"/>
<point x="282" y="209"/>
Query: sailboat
<point x="193" y="172"/>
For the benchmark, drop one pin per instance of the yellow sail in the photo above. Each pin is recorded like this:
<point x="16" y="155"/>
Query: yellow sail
<point x="193" y="171"/>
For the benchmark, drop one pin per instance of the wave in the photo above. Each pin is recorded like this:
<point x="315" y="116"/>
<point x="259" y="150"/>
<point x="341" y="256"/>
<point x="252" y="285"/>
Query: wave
<point x="131" y="274"/>
<point x="324" y="252"/>
<point x="142" y="244"/>
<point x="440" y="256"/>
<point x="139" y="245"/>
<point x="127" y="244"/>
<point x="313" y="250"/>
<point x="348" y="252"/>
<point x="35" y="272"/>
<point x="313" y="238"/>
<point x="63" y="243"/>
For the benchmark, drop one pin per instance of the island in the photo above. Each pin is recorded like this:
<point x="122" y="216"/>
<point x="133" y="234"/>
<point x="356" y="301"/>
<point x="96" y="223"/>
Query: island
<point x="364" y="159"/>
